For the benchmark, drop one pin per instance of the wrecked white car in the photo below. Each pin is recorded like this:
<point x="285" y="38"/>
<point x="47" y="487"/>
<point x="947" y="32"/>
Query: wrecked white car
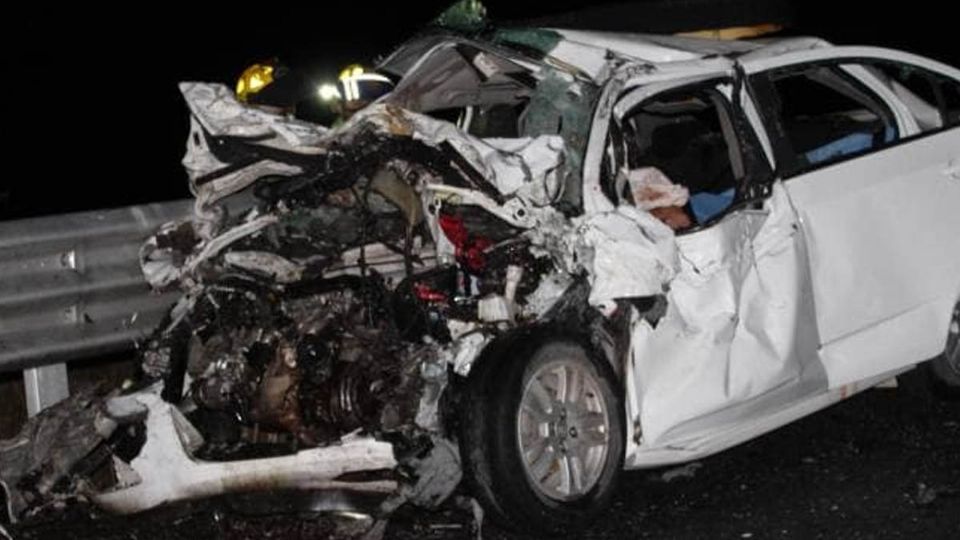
<point x="545" y="257"/>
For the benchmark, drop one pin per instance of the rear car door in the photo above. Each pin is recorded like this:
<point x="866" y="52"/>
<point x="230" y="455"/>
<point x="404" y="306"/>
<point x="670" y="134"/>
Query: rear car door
<point x="870" y="159"/>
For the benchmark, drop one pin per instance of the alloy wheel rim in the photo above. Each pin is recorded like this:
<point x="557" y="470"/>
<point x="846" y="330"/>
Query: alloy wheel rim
<point x="563" y="430"/>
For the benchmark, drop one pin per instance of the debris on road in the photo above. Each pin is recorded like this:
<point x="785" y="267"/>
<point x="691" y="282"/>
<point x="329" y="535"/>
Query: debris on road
<point x="686" y="471"/>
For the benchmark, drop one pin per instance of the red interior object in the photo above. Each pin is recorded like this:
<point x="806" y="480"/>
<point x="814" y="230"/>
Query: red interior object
<point x="427" y="293"/>
<point x="469" y="248"/>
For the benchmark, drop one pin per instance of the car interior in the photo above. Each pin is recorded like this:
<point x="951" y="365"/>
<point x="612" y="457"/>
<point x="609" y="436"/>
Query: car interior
<point x="688" y="136"/>
<point x="827" y="116"/>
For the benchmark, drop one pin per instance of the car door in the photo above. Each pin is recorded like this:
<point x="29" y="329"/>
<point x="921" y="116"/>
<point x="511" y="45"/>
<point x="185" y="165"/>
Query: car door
<point x="878" y="198"/>
<point x="736" y="343"/>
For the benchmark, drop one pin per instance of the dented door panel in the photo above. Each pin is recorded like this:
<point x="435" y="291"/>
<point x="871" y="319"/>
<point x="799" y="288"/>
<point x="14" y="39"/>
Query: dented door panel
<point x="737" y="344"/>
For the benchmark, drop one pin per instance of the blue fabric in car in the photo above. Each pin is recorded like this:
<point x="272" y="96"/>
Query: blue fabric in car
<point x="851" y="144"/>
<point x="889" y="134"/>
<point x="706" y="205"/>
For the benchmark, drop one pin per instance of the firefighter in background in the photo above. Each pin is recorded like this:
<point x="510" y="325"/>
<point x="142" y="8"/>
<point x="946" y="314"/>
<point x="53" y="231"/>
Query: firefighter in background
<point x="357" y="88"/>
<point x="271" y="86"/>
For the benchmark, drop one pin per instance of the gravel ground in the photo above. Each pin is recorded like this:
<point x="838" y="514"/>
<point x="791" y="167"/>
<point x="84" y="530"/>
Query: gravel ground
<point x="884" y="464"/>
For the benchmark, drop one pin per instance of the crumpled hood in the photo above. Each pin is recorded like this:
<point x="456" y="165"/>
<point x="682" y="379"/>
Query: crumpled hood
<point x="232" y="145"/>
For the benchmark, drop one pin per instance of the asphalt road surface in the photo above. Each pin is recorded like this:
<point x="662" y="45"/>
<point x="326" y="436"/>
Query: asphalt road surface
<point x="884" y="464"/>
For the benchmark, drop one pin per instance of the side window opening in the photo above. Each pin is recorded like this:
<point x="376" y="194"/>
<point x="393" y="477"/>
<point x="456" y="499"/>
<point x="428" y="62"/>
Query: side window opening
<point x="826" y="116"/>
<point x="679" y="157"/>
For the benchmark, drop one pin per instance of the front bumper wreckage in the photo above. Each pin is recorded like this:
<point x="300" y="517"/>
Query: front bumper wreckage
<point x="333" y="283"/>
<point x="165" y="470"/>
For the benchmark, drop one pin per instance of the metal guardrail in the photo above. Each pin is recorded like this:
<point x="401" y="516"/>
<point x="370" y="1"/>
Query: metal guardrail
<point x="71" y="288"/>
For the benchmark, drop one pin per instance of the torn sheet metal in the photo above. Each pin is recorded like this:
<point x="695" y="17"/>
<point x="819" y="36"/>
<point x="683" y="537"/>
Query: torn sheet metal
<point x="531" y="168"/>
<point x="216" y="112"/>
<point x="627" y="253"/>
<point x="467" y="347"/>
<point x="212" y="179"/>
<point x="548" y="292"/>
<point x="269" y="265"/>
<point x="162" y="256"/>
<point x="587" y="50"/>
<point x="535" y="171"/>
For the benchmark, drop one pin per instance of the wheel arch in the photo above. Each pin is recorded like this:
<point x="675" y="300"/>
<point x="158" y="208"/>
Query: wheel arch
<point x="525" y="339"/>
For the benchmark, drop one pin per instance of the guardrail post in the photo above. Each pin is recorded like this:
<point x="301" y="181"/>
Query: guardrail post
<point x="45" y="386"/>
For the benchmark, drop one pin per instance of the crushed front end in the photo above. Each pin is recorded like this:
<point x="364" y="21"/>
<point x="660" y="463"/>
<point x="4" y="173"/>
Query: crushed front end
<point x="336" y="287"/>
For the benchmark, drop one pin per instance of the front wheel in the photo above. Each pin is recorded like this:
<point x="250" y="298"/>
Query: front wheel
<point x="543" y="436"/>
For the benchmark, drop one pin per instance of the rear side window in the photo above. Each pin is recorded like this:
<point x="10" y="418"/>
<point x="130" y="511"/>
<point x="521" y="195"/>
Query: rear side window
<point x="934" y="100"/>
<point x="822" y="115"/>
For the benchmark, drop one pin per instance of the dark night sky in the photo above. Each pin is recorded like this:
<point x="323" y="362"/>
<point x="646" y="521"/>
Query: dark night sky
<point x="93" y="114"/>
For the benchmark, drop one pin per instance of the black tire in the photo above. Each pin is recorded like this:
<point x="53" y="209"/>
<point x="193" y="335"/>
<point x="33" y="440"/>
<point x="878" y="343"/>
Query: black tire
<point x="491" y="447"/>
<point x="944" y="370"/>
